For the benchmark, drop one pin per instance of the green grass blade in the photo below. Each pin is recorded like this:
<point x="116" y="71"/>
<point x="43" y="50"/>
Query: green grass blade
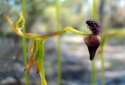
<point x="24" y="44"/>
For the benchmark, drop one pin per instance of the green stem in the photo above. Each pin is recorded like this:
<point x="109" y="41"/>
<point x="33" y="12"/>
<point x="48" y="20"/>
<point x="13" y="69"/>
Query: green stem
<point x="41" y="70"/>
<point x="103" y="38"/>
<point x="94" y="67"/>
<point x="93" y="73"/>
<point x="95" y="70"/>
<point x="58" y="40"/>
<point x="59" y="61"/>
<point x="40" y="56"/>
<point x="24" y="44"/>
<point x="102" y="67"/>
<point x="94" y="10"/>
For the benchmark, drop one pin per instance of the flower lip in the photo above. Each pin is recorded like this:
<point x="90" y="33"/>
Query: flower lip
<point x="92" y="43"/>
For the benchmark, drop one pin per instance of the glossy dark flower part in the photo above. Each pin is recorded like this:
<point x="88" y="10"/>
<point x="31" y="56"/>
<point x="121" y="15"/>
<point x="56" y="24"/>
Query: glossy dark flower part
<point x="92" y="43"/>
<point x="94" y="26"/>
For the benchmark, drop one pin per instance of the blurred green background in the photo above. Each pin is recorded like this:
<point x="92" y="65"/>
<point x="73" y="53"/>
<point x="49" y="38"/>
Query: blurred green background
<point x="76" y="66"/>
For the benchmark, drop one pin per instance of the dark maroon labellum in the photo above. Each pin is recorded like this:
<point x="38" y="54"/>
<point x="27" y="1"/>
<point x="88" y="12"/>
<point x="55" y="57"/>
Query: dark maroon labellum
<point x="92" y="42"/>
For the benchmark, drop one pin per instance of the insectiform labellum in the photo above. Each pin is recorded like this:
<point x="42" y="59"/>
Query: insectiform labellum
<point x="93" y="41"/>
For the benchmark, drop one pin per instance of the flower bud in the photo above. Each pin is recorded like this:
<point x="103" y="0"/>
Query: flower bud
<point x="92" y="42"/>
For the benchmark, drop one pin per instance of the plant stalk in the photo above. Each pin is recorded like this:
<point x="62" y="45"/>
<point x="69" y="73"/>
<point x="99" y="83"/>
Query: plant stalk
<point x="94" y="67"/>
<point x="93" y="72"/>
<point x="24" y="44"/>
<point x="39" y="57"/>
<point x="102" y="67"/>
<point x="58" y="40"/>
<point x="102" y="60"/>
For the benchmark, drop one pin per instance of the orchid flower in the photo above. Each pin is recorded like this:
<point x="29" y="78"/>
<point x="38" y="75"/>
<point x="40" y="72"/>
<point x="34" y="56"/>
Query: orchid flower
<point x="93" y="40"/>
<point x="36" y="44"/>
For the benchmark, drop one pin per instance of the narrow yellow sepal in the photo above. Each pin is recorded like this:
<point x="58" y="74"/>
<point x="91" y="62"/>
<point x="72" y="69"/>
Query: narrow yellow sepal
<point x="19" y="23"/>
<point x="11" y="23"/>
<point x="75" y="31"/>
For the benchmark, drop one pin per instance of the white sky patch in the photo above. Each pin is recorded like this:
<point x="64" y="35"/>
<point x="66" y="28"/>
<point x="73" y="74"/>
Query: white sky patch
<point x="121" y="3"/>
<point x="90" y="1"/>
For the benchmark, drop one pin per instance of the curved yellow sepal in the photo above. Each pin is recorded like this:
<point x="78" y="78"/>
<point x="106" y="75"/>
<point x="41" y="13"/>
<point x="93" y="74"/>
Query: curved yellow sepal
<point x="75" y="31"/>
<point x="11" y="23"/>
<point x="19" y="23"/>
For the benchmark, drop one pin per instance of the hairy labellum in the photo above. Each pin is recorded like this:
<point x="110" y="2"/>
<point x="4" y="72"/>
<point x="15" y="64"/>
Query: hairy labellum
<point x="94" y="26"/>
<point x="92" y="42"/>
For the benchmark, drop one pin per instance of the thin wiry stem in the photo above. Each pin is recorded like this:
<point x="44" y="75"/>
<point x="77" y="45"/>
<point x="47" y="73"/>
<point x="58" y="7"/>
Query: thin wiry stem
<point x="102" y="67"/>
<point x="103" y="38"/>
<point x="58" y="40"/>
<point x="93" y="73"/>
<point x="24" y="44"/>
<point x="94" y="68"/>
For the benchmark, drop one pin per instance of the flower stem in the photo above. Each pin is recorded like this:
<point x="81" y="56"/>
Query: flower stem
<point x="58" y="40"/>
<point x="93" y="72"/>
<point x="94" y="10"/>
<point x="94" y="67"/>
<point x="102" y="59"/>
<point x="102" y="67"/>
<point x="59" y="61"/>
<point x="41" y="70"/>
<point x="40" y="56"/>
<point x="24" y="44"/>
